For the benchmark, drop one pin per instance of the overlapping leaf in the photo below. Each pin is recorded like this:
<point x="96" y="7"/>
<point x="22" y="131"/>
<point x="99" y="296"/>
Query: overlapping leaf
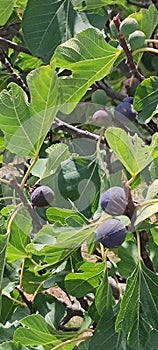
<point x="138" y="311"/>
<point x="133" y="153"/>
<point x="6" y="8"/>
<point x="56" y="245"/>
<point x="90" y="58"/>
<point x="25" y="126"/>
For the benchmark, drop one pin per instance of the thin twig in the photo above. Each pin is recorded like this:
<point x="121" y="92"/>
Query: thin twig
<point x="74" y="130"/>
<point x="110" y="92"/>
<point x="4" y="59"/>
<point x="4" y="43"/>
<point x="35" y="220"/>
<point x="24" y="298"/>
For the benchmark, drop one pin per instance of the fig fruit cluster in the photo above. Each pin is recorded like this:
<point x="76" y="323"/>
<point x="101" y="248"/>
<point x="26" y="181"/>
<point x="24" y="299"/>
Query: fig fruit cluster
<point x="112" y="233"/>
<point x="42" y="196"/>
<point x="125" y="108"/>
<point x="129" y="29"/>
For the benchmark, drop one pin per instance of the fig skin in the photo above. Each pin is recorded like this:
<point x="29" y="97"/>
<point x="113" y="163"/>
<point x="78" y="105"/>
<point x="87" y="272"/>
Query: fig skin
<point x="99" y="97"/>
<point x="129" y="99"/>
<point x="102" y="118"/>
<point x="111" y="233"/>
<point x="125" y="109"/>
<point x="137" y="40"/>
<point x="42" y="196"/>
<point x="128" y="26"/>
<point x="114" y="201"/>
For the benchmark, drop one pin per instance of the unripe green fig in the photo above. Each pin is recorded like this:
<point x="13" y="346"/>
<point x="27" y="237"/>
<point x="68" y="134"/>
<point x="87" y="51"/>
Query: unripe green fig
<point x="42" y="196"/>
<point x="99" y="97"/>
<point x="128" y="26"/>
<point x="113" y="29"/>
<point x="102" y="118"/>
<point x="137" y="40"/>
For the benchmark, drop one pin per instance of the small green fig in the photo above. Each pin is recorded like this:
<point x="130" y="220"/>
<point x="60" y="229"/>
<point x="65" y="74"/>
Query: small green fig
<point x="128" y="26"/>
<point x="99" y="97"/>
<point x="137" y="40"/>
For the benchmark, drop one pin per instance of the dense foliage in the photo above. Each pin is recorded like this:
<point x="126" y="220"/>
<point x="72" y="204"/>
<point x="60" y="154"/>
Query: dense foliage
<point x="78" y="175"/>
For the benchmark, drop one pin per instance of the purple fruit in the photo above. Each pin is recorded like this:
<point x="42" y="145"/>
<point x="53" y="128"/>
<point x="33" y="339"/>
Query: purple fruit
<point x="111" y="233"/>
<point x="129" y="99"/>
<point x="42" y="196"/>
<point x="125" y="109"/>
<point x="113" y="201"/>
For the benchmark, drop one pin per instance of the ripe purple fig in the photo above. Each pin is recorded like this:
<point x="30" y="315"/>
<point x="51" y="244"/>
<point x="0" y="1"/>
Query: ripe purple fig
<point x="42" y="196"/>
<point x="125" y="109"/>
<point x="129" y="99"/>
<point x="111" y="233"/>
<point x="114" y="201"/>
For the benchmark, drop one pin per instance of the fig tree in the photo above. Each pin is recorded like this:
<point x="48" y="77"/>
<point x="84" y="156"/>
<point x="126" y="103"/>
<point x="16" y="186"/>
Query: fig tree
<point x="128" y="26"/>
<point x="102" y="118"/>
<point x="42" y="196"/>
<point x="111" y="233"/>
<point x="114" y="201"/>
<point x="137" y="40"/>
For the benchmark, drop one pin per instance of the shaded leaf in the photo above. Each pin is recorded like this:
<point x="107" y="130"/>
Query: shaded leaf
<point x="138" y="310"/>
<point x="82" y="283"/>
<point x="145" y="100"/>
<point x="47" y="166"/>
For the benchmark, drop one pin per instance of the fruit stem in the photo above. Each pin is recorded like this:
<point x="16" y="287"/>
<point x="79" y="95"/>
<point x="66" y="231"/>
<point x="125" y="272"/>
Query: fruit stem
<point x="28" y="172"/>
<point x="145" y="49"/>
<point x="130" y="180"/>
<point x="139" y="248"/>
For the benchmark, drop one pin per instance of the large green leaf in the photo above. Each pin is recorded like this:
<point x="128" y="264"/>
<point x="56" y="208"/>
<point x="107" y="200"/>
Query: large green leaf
<point x="145" y="99"/>
<point x="92" y="5"/>
<point x="37" y="332"/>
<point x="25" y="126"/>
<point x="90" y="58"/>
<point x="147" y="19"/>
<point x="138" y="311"/>
<point x="57" y="22"/>
<point x="82" y="283"/>
<point x="45" y="167"/>
<point x="145" y="211"/>
<point x="103" y="297"/>
<point x="6" y="8"/>
<point x="57" y="244"/>
<point x="133" y="153"/>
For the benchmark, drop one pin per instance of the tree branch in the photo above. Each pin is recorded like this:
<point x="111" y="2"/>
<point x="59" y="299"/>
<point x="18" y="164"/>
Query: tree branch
<point x="14" y="75"/>
<point x="35" y="220"/>
<point x="76" y="131"/>
<point x="5" y="43"/>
